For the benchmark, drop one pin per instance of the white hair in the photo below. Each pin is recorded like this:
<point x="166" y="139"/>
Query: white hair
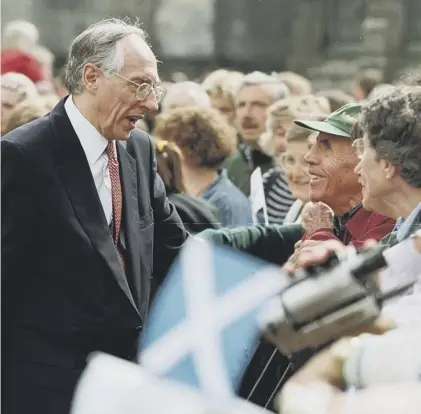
<point x="186" y="94"/>
<point x="20" y="34"/>
<point x="99" y="44"/>
<point x="277" y="89"/>
<point x="222" y="81"/>
<point x="19" y="83"/>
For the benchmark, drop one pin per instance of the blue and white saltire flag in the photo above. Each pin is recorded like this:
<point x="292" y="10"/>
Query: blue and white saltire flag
<point x="202" y="328"/>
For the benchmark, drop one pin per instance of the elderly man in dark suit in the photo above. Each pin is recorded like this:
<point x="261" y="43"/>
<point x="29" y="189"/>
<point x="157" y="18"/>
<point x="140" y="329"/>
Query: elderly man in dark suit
<point x="85" y="222"/>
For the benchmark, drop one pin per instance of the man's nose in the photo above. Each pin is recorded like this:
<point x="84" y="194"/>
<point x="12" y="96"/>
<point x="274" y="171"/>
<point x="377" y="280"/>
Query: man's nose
<point x="310" y="157"/>
<point x="151" y="102"/>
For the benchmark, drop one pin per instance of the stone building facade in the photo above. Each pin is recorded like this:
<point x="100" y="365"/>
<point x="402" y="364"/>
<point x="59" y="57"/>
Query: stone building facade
<point x="327" y="40"/>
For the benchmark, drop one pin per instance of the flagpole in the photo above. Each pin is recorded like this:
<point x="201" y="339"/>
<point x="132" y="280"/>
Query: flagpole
<point x="278" y="385"/>
<point x="259" y="379"/>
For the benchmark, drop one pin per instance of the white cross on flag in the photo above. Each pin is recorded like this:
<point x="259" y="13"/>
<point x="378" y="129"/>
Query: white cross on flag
<point x="203" y="329"/>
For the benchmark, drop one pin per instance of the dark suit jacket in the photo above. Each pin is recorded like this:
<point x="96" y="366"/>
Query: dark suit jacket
<point x="64" y="293"/>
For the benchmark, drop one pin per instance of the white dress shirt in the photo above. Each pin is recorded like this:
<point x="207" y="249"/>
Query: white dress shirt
<point x="94" y="146"/>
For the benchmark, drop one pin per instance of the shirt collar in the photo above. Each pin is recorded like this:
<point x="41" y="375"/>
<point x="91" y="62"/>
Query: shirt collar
<point x="222" y="174"/>
<point x="404" y="227"/>
<point x="339" y="222"/>
<point x="93" y="143"/>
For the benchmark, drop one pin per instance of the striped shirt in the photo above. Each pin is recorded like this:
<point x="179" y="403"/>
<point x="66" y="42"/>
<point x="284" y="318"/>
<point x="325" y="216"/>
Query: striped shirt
<point x="277" y="194"/>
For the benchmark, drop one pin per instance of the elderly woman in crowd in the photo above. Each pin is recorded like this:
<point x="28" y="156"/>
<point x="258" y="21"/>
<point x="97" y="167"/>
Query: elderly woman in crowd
<point x="15" y="88"/>
<point x="221" y="86"/>
<point x="197" y="214"/>
<point x="389" y="152"/>
<point x="279" y="120"/>
<point x="206" y="140"/>
<point x="298" y="142"/>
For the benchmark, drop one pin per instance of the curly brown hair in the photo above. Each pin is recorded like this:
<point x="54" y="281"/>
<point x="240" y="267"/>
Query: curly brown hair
<point x="392" y="124"/>
<point x="202" y="134"/>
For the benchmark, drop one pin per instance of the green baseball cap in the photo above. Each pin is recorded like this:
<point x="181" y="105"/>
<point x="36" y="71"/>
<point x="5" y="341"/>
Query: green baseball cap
<point x="341" y="122"/>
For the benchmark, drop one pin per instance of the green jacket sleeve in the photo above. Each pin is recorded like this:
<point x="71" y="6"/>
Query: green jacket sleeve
<point x="273" y="243"/>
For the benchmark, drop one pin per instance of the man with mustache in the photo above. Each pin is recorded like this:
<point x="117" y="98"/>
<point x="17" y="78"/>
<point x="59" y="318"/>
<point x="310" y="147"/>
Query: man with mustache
<point x="255" y="94"/>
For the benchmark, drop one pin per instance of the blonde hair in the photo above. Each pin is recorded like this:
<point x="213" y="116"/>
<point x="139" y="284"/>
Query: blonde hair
<point x="294" y="107"/>
<point x="285" y="111"/>
<point x="297" y="84"/>
<point x="169" y="160"/>
<point x="25" y="112"/>
<point x="298" y="133"/>
<point x="50" y="101"/>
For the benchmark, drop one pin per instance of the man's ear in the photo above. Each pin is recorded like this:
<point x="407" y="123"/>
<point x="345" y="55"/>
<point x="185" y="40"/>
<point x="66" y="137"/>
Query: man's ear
<point x="390" y="170"/>
<point x="91" y="75"/>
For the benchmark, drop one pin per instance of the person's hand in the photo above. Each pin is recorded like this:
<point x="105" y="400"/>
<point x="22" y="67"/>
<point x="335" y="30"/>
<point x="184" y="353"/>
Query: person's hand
<point x="316" y="216"/>
<point x="310" y="252"/>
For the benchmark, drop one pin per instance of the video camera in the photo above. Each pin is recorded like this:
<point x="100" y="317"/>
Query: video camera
<point x="326" y="301"/>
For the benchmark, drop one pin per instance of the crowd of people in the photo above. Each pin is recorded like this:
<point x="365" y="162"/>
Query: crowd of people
<point x="91" y="226"/>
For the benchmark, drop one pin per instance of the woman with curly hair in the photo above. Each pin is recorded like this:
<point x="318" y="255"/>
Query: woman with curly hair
<point x="206" y="140"/>
<point x="196" y="214"/>
<point x="389" y="153"/>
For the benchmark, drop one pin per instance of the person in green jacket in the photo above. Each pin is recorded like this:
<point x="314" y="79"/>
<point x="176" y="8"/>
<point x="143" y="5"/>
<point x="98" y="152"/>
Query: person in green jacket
<point x="256" y="93"/>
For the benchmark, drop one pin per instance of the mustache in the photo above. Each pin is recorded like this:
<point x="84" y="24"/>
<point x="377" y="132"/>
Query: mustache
<point x="248" y="123"/>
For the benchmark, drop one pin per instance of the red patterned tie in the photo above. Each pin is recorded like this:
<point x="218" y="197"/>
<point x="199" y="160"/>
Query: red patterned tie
<point x="117" y="197"/>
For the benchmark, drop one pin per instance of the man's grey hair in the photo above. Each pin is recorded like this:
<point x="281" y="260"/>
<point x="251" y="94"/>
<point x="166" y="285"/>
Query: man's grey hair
<point x="190" y="92"/>
<point x="277" y="89"/>
<point x="392" y="124"/>
<point x="100" y="45"/>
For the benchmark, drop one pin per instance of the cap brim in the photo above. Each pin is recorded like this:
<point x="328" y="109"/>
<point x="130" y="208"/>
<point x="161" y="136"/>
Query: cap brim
<point x="322" y="126"/>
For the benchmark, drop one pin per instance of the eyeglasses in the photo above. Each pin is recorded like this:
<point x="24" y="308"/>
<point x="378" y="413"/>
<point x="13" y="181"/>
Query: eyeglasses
<point x="145" y="89"/>
<point x="358" y="147"/>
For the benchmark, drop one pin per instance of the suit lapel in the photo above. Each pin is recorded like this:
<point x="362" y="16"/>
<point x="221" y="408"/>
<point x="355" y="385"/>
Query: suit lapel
<point x="75" y="174"/>
<point x="128" y="174"/>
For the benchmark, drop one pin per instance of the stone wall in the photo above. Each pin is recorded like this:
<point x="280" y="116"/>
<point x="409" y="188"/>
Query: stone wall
<point x="327" y="40"/>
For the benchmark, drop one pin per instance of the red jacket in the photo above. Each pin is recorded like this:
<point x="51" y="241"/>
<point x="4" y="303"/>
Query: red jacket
<point x="362" y="226"/>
